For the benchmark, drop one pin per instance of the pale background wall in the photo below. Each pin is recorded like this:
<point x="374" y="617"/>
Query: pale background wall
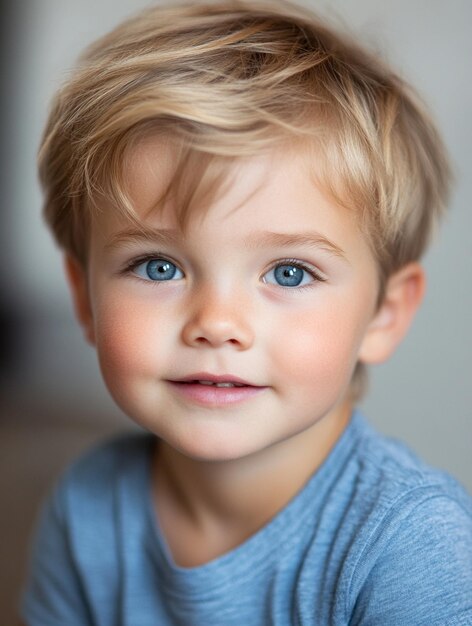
<point x="53" y="401"/>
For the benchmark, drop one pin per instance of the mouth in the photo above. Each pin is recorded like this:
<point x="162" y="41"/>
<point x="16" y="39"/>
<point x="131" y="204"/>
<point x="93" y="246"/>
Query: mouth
<point x="212" y="390"/>
<point x="221" y="380"/>
<point x="208" y="383"/>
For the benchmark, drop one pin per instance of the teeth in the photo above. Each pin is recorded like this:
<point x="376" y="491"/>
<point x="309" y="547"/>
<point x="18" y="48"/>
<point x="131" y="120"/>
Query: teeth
<point x="209" y="382"/>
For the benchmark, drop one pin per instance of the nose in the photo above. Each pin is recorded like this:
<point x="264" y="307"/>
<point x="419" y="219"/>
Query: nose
<point x="215" y="320"/>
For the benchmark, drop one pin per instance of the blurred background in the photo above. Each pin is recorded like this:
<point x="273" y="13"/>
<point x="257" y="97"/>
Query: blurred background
<point x="52" y="401"/>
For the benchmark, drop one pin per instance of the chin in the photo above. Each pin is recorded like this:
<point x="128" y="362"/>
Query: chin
<point x="210" y="448"/>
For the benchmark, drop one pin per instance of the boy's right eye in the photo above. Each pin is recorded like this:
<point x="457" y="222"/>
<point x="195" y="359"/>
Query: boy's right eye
<point x="157" y="270"/>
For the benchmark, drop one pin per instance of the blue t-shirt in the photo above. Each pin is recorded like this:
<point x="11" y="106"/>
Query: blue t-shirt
<point x="374" y="538"/>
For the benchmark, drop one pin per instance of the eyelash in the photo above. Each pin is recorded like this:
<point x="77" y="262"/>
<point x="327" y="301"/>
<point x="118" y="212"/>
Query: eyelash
<point x="134" y="263"/>
<point x="317" y="278"/>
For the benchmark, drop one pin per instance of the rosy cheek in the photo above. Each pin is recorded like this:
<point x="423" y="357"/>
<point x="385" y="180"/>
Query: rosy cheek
<point x="128" y="339"/>
<point x="316" y="351"/>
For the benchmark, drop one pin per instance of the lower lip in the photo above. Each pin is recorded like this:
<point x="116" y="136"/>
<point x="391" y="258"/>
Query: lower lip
<point x="215" y="396"/>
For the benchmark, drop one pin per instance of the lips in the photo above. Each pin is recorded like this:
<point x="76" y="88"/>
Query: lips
<point x="206" y="378"/>
<point x="213" y="390"/>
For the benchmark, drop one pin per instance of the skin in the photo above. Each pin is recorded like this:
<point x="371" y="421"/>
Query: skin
<point x="221" y="472"/>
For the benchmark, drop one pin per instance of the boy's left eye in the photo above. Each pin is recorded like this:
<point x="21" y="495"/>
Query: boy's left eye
<point x="290" y="275"/>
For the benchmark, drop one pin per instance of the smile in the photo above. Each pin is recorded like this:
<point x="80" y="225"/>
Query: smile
<point x="208" y="393"/>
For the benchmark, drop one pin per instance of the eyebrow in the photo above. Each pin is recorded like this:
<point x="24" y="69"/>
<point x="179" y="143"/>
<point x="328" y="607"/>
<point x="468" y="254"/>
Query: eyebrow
<point x="143" y="235"/>
<point x="266" y="239"/>
<point x="286" y="240"/>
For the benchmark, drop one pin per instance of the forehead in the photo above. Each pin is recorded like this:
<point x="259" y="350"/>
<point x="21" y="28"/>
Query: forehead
<point x="157" y="165"/>
<point x="276" y="191"/>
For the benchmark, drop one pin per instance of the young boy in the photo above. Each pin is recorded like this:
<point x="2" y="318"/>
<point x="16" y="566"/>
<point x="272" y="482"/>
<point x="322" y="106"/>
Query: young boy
<point x="242" y="197"/>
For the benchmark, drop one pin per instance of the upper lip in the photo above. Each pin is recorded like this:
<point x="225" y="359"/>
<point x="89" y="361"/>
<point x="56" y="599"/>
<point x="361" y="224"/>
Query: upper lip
<point x="214" y="378"/>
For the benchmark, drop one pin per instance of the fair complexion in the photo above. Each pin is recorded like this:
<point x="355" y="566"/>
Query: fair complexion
<point x="276" y="285"/>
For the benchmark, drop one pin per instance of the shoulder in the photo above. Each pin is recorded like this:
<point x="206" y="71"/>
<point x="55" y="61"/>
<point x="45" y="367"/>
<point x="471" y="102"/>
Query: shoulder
<point x="91" y="481"/>
<point x="396" y="478"/>
<point x="394" y="488"/>
<point x="80" y="520"/>
<point x="416" y="531"/>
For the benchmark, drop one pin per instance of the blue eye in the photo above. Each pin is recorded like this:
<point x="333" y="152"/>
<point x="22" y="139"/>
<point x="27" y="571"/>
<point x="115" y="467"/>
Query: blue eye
<point x="158" y="270"/>
<point x="289" y="275"/>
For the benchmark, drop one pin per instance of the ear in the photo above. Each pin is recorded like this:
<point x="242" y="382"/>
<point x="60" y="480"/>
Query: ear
<point x="78" y="283"/>
<point x="403" y="296"/>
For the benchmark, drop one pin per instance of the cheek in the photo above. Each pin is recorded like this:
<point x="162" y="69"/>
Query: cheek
<point x="131" y="340"/>
<point x="317" y="350"/>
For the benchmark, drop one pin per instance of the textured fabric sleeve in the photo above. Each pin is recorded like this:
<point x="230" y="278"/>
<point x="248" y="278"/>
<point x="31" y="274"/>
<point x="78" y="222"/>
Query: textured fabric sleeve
<point x="52" y="595"/>
<point x="421" y="572"/>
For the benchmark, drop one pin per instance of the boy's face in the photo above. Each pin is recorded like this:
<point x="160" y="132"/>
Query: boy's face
<point x="275" y="286"/>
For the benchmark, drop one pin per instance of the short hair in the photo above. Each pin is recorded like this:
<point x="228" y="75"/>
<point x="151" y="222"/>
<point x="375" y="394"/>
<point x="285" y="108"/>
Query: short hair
<point x="234" y="78"/>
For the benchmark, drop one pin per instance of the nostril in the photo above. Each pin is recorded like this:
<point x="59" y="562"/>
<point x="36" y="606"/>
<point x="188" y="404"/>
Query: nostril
<point x="202" y="340"/>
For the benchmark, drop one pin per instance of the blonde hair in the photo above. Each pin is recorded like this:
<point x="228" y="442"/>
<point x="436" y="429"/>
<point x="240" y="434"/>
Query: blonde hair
<point x="234" y="78"/>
